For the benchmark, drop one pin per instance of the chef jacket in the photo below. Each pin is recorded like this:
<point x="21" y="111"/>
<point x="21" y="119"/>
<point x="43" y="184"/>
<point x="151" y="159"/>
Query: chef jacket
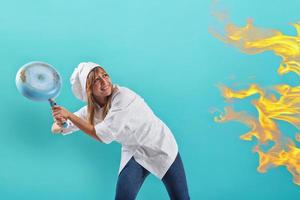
<point x="132" y="123"/>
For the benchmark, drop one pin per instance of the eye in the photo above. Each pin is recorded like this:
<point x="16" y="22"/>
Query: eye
<point x="97" y="80"/>
<point x="105" y="75"/>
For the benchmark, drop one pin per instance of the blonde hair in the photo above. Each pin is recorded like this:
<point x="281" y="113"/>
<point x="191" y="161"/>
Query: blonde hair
<point x="90" y="97"/>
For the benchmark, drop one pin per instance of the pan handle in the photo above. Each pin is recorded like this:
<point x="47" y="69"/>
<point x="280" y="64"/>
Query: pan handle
<point x="53" y="103"/>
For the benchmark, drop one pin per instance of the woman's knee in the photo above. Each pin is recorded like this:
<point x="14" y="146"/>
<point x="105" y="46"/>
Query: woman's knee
<point x="126" y="193"/>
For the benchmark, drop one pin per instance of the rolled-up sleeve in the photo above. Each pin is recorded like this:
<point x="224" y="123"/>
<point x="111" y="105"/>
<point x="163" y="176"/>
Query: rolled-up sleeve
<point x="103" y="132"/>
<point x="109" y="129"/>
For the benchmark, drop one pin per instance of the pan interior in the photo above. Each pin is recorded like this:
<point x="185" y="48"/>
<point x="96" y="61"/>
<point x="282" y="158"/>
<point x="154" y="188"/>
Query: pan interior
<point x="38" y="81"/>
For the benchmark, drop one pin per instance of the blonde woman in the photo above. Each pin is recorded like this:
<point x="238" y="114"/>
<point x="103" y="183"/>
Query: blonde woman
<point x="115" y="113"/>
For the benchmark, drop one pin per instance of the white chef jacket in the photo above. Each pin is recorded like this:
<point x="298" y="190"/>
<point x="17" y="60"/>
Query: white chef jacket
<point x="141" y="133"/>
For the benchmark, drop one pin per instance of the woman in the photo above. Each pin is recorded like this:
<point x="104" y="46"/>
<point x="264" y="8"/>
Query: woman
<point x="115" y="113"/>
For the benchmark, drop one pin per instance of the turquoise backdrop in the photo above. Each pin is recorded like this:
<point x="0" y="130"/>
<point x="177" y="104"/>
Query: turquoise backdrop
<point x="163" y="51"/>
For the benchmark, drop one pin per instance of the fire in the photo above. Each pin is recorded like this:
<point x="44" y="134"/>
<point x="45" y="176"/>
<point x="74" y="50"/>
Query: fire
<point x="282" y="102"/>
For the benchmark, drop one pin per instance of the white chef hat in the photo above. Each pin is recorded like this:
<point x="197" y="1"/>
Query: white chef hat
<point x="79" y="77"/>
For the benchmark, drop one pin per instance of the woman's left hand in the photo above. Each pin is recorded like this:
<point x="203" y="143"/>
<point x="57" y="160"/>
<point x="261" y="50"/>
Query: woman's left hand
<point x="59" y="113"/>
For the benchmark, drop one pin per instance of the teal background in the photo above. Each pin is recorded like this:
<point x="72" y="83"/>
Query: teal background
<point x="163" y="51"/>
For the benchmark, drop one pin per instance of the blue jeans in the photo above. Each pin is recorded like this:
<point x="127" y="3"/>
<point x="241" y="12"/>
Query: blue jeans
<point x="133" y="175"/>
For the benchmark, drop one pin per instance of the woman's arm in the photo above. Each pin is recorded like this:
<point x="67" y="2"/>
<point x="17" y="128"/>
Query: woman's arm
<point x="60" y="113"/>
<point x="83" y="125"/>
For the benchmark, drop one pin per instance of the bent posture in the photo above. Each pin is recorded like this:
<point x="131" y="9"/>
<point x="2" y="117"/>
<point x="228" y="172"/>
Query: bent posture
<point x="115" y="113"/>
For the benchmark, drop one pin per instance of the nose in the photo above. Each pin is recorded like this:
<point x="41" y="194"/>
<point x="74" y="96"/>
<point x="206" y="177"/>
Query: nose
<point x="103" y="81"/>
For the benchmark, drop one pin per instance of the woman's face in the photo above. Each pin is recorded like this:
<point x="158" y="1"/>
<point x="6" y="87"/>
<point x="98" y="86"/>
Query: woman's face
<point x="102" y="85"/>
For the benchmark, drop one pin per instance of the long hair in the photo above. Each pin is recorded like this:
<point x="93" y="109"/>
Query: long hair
<point x="90" y="97"/>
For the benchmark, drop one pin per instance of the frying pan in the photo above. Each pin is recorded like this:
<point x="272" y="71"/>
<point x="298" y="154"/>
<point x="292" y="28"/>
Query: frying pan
<point x="39" y="81"/>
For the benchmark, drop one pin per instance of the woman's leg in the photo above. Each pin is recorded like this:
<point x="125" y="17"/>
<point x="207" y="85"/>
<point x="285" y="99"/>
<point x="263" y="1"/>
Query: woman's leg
<point x="175" y="181"/>
<point x="130" y="180"/>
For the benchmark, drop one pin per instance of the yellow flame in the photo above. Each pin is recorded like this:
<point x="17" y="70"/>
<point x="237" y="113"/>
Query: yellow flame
<point x="286" y="107"/>
<point x="252" y="40"/>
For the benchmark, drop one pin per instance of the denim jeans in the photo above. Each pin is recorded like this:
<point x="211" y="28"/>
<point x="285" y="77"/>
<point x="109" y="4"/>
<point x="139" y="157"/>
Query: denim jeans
<point x="133" y="175"/>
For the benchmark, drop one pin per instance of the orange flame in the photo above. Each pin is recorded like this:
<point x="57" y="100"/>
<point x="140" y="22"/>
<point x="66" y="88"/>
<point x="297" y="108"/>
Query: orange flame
<point x="283" y="151"/>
